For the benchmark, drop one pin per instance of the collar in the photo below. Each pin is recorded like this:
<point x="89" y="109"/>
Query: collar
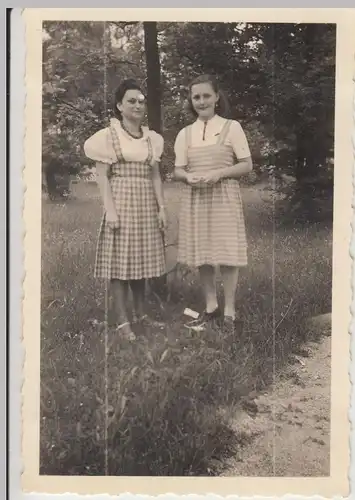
<point x="210" y="120"/>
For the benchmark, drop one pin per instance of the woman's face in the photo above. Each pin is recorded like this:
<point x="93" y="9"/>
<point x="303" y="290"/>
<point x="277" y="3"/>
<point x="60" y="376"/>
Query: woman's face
<point x="132" y="106"/>
<point x="204" y="100"/>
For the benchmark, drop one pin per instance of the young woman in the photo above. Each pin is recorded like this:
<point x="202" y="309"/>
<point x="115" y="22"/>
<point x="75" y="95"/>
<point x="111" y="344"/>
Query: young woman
<point x="130" y="245"/>
<point x="210" y="156"/>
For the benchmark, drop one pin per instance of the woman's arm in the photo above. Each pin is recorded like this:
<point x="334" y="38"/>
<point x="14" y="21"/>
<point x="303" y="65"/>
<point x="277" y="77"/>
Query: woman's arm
<point x="180" y="174"/>
<point x="242" y="167"/>
<point x="157" y="184"/>
<point x="159" y="194"/>
<point x="102" y="172"/>
<point x="180" y="151"/>
<point x="239" y="143"/>
<point x="99" y="149"/>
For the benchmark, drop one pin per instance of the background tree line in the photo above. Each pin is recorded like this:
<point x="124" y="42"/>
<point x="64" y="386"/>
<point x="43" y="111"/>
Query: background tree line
<point x="280" y="80"/>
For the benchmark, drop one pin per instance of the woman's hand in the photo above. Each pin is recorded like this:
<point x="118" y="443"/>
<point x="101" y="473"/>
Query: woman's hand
<point x="194" y="180"/>
<point x="112" y="220"/>
<point x="162" y="220"/>
<point x="211" y="178"/>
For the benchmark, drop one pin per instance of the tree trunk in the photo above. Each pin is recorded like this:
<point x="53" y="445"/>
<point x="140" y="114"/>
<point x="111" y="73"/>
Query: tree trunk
<point x="153" y="75"/>
<point x="155" y="285"/>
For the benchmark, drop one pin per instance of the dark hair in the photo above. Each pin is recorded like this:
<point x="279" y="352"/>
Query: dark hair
<point x="222" y="106"/>
<point x="128" y="84"/>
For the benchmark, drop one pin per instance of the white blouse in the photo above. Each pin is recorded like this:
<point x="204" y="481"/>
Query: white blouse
<point x="200" y="137"/>
<point x="99" y="146"/>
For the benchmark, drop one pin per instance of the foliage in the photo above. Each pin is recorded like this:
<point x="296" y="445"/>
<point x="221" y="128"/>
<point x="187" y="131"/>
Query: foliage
<point x="81" y="64"/>
<point x="281" y="83"/>
<point x="280" y="79"/>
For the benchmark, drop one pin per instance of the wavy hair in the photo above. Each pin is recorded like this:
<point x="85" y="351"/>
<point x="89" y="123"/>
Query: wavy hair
<point x="127" y="84"/>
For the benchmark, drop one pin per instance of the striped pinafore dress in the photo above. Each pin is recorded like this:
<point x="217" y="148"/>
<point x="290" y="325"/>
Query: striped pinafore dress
<point x="135" y="250"/>
<point x="211" y="223"/>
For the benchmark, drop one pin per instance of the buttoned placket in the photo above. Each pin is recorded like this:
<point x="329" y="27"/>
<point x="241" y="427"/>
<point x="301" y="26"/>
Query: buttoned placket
<point x="204" y="131"/>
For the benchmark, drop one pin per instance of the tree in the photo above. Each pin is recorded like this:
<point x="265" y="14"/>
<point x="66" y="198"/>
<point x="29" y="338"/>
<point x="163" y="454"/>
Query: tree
<point x="281" y="82"/>
<point x="82" y="62"/>
<point x="230" y="52"/>
<point x="280" y="79"/>
<point x="300" y="64"/>
<point x="153" y="75"/>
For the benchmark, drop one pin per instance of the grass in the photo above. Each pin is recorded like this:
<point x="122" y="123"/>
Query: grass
<point x="154" y="407"/>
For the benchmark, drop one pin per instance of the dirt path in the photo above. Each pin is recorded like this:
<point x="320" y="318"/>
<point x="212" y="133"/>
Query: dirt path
<point x="287" y="430"/>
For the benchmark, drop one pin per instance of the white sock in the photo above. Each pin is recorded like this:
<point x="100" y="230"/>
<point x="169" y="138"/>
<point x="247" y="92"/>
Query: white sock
<point x="212" y="305"/>
<point x="230" y="313"/>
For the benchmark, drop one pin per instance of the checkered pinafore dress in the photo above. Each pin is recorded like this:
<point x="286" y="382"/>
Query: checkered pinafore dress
<point x="211" y="223"/>
<point x="136" y="249"/>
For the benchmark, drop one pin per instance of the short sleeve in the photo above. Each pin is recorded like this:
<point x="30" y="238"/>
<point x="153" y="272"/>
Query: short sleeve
<point x="238" y="140"/>
<point x="158" y="145"/>
<point x="180" y="149"/>
<point x="99" y="147"/>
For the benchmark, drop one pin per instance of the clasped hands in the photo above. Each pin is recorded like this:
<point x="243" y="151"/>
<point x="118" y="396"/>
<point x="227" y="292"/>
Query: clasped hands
<point x="202" y="180"/>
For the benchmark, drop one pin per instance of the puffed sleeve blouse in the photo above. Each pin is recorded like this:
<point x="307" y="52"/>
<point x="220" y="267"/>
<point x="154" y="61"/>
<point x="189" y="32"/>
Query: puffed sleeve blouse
<point x="99" y="147"/>
<point x="205" y="135"/>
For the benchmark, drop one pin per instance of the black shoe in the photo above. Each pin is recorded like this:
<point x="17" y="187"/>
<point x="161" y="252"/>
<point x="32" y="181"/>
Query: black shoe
<point x="208" y="317"/>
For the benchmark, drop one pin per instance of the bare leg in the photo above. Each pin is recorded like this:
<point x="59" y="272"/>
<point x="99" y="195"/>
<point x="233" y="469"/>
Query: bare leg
<point x="120" y="297"/>
<point x="230" y="281"/>
<point x="138" y="293"/>
<point x="207" y="277"/>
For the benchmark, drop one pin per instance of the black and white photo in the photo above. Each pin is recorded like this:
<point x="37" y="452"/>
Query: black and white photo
<point x="190" y="234"/>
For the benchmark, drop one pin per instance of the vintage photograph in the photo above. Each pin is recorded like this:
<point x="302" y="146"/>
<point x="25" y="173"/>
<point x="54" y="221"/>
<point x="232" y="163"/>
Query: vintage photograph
<point x="187" y="248"/>
<point x="216" y="139"/>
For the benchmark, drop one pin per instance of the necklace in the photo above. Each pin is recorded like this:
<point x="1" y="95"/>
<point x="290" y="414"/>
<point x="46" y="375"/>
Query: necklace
<point x="130" y="133"/>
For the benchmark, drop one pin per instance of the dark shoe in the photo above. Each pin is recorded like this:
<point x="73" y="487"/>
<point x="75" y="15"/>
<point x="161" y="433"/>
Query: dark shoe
<point x="207" y="318"/>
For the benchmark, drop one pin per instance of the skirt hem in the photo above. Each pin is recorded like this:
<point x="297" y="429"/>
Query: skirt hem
<point x="115" y="277"/>
<point x="210" y="263"/>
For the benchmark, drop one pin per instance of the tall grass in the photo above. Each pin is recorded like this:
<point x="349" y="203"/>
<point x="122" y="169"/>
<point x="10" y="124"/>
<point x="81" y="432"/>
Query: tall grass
<point x="165" y="392"/>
